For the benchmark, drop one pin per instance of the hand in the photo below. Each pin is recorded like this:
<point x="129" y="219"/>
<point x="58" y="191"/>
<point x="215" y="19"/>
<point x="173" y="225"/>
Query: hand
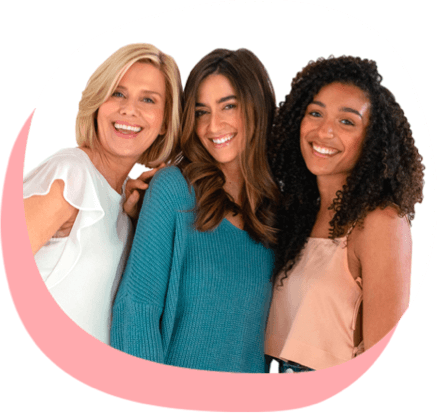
<point x="134" y="191"/>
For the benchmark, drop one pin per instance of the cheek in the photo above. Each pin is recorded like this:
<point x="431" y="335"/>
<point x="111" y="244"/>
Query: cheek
<point x="305" y="127"/>
<point x="244" y="134"/>
<point x="199" y="130"/>
<point x="153" y="116"/>
<point x="105" y="110"/>
<point x="203" y="142"/>
<point x="159" y="114"/>
<point x="357" y="144"/>
<point x="100" y="121"/>
<point x="303" y="132"/>
<point x="354" y="149"/>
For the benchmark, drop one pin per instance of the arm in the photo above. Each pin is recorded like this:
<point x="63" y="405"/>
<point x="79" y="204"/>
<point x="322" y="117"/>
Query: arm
<point x="383" y="248"/>
<point x="140" y="300"/>
<point x="46" y="214"/>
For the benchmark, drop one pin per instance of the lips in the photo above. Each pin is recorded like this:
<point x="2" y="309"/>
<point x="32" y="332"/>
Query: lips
<point x="222" y="140"/>
<point x="323" y="151"/>
<point x="126" y="130"/>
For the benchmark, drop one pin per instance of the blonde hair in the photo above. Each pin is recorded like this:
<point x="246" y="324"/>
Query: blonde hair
<point x="103" y="83"/>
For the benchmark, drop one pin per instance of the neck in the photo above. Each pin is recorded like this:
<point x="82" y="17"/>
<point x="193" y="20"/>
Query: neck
<point x="234" y="181"/>
<point x="113" y="168"/>
<point x="328" y="187"/>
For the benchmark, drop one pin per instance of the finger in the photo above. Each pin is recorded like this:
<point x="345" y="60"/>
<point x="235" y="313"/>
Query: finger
<point x="152" y="172"/>
<point x="147" y="175"/>
<point x="139" y="184"/>
<point x="133" y="199"/>
<point x="134" y="184"/>
<point x="130" y="206"/>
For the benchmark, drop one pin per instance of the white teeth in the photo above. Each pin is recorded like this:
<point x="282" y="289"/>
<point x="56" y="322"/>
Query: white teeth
<point x="324" y="151"/>
<point x="223" y="140"/>
<point x="127" y="127"/>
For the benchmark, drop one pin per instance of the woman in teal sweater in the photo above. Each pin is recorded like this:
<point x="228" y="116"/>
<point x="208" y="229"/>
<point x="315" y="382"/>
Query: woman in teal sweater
<point x="196" y="290"/>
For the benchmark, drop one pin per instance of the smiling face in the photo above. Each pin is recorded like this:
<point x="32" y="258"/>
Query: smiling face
<point x="132" y="117"/>
<point x="219" y="120"/>
<point x="333" y="129"/>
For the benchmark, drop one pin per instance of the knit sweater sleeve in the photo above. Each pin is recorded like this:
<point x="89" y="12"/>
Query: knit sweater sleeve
<point x="140" y="300"/>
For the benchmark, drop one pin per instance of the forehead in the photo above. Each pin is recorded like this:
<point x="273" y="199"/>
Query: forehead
<point x="145" y="75"/>
<point x="215" y="86"/>
<point x="342" y="93"/>
<point x="339" y="98"/>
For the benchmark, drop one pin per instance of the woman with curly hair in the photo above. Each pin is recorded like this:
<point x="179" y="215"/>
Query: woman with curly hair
<point x="196" y="289"/>
<point x="350" y="175"/>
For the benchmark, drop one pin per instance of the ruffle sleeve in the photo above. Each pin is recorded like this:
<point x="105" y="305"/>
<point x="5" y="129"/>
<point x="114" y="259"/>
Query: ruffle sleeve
<point x="80" y="190"/>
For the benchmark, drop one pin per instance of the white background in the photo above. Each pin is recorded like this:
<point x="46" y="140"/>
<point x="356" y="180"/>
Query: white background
<point x="284" y="35"/>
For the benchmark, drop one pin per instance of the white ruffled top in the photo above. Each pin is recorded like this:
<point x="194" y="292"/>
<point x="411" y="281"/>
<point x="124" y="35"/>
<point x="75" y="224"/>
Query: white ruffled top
<point x="82" y="270"/>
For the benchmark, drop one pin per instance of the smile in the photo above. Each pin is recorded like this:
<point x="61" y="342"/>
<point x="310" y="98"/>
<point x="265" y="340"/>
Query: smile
<point x="223" y="139"/>
<point x="123" y="128"/>
<point x="323" y="150"/>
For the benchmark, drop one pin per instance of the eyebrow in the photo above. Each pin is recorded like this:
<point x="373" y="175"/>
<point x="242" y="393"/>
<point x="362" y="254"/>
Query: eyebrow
<point x="142" y="90"/>
<point x="343" y="109"/>
<point x="224" y="99"/>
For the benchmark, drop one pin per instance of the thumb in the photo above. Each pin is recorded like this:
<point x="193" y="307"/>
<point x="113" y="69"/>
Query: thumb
<point x="131" y="203"/>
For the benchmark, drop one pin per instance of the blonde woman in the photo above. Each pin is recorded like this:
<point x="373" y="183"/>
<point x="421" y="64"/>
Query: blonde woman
<point x="80" y="236"/>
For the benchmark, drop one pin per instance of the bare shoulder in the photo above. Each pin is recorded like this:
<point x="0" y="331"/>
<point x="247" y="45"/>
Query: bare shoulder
<point x="382" y="229"/>
<point x="387" y="215"/>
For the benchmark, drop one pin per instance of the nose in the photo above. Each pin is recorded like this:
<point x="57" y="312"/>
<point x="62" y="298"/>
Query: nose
<point x="129" y="107"/>
<point x="326" y="129"/>
<point x="214" y="122"/>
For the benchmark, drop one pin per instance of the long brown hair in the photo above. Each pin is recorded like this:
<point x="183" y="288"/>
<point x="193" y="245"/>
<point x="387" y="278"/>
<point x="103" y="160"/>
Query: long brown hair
<point x="255" y="93"/>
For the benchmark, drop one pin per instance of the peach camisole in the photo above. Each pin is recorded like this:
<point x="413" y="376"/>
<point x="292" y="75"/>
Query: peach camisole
<point x="313" y="314"/>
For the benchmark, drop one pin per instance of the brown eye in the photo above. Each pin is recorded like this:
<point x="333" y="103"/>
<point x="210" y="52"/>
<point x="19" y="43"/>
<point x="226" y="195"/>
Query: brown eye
<point x="230" y="106"/>
<point x="314" y="114"/>
<point x="199" y="113"/>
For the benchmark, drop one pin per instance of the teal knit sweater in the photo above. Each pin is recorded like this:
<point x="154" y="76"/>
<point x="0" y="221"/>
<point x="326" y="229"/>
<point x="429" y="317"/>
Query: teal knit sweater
<point x="188" y="298"/>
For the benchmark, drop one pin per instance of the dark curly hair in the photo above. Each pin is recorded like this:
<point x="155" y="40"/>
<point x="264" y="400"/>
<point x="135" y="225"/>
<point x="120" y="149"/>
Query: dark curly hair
<point x="388" y="172"/>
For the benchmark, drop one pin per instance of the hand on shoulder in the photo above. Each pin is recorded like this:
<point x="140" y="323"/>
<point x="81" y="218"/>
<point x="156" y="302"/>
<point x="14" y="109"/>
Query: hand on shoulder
<point x="134" y="192"/>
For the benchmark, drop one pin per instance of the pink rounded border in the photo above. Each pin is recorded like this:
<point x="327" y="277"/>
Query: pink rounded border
<point x="119" y="374"/>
